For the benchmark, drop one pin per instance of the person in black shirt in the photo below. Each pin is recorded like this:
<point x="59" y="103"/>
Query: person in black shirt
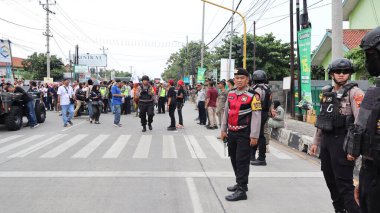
<point x="29" y="102"/>
<point x="171" y="105"/>
<point x="180" y="102"/>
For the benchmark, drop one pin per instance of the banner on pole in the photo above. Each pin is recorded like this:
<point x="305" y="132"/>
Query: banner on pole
<point x="5" y="51"/>
<point x="201" y="75"/>
<point x="186" y="79"/>
<point x="304" y="44"/>
<point x="80" y="69"/>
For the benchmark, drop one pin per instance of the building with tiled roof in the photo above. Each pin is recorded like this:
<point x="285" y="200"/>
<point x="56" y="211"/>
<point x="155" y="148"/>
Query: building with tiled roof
<point x="362" y="16"/>
<point x="17" y="67"/>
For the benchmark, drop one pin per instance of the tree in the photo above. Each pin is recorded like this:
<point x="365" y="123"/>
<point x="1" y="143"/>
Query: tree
<point x="35" y="66"/>
<point x="357" y="56"/>
<point x="272" y="55"/>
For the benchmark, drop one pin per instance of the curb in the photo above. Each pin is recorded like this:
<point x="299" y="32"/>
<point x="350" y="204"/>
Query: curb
<point x="302" y="143"/>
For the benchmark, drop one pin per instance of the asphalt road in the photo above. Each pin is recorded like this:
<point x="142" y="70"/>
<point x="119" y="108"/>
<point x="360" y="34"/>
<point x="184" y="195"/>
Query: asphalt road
<point x="101" y="168"/>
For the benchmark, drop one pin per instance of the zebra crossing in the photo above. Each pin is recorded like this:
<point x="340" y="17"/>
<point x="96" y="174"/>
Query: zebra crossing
<point x="83" y="146"/>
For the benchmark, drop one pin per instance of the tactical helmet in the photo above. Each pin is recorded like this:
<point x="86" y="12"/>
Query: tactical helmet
<point x="371" y="46"/>
<point x="145" y="77"/>
<point x="259" y="76"/>
<point x="341" y="64"/>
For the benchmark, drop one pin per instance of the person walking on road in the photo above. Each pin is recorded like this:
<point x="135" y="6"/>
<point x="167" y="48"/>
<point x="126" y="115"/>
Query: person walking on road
<point x="116" y="102"/>
<point x="241" y="128"/>
<point x="80" y="97"/>
<point x="339" y="108"/>
<point x="211" y="98"/>
<point x="171" y="105"/>
<point x="145" y="93"/>
<point x="161" y="98"/>
<point x="201" y="97"/>
<point x="66" y="101"/>
<point x="260" y="86"/>
<point x="221" y="101"/>
<point x="96" y="102"/>
<point x="180" y="102"/>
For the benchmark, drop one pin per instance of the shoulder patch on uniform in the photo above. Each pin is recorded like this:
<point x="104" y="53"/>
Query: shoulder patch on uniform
<point x="256" y="103"/>
<point x="358" y="99"/>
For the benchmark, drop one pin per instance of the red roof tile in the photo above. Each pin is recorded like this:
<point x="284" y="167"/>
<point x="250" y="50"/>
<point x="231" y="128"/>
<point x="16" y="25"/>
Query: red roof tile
<point x="17" y="62"/>
<point x="352" y="38"/>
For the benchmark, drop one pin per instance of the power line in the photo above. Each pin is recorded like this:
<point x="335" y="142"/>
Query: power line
<point x="20" y="25"/>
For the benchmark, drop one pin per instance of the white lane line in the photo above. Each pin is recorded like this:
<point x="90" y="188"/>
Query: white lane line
<point x="36" y="147"/>
<point x="190" y="148"/>
<point x="142" y="150"/>
<point x="168" y="147"/>
<point x="195" y="200"/>
<point x="151" y="174"/>
<point x="194" y="146"/>
<point x="277" y="153"/>
<point x="4" y="140"/>
<point x="19" y="143"/>
<point x="67" y="128"/>
<point x="63" y="147"/>
<point x="117" y="147"/>
<point x="217" y="145"/>
<point x="91" y="147"/>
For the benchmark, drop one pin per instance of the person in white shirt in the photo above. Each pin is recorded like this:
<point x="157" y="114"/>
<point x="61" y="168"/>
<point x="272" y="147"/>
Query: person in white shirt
<point x="66" y="100"/>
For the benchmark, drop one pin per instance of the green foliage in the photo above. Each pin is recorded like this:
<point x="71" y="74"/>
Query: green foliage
<point x="317" y="73"/>
<point x="272" y="56"/>
<point x="357" y="56"/>
<point x="35" y="67"/>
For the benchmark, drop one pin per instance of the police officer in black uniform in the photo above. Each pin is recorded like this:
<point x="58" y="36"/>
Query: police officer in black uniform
<point x="364" y="138"/>
<point x="339" y="108"/>
<point x="260" y="86"/>
<point x="146" y="103"/>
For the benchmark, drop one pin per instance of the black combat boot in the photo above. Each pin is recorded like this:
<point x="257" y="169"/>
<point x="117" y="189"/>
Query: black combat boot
<point x="341" y="211"/>
<point x="234" y="187"/>
<point x="259" y="163"/>
<point x="239" y="194"/>
<point x="150" y="126"/>
<point x="144" y="129"/>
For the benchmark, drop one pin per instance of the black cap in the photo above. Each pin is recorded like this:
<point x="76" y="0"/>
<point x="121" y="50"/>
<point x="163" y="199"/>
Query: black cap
<point x="241" y="71"/>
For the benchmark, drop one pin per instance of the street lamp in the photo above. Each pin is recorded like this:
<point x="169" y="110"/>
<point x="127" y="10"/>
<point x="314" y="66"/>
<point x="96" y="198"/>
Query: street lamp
<point x="244" y="35"/>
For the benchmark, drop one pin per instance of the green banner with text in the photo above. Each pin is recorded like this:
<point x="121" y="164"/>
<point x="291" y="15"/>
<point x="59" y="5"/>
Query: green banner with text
<point x="304" y="44"/>
<point x="201" y="75"/>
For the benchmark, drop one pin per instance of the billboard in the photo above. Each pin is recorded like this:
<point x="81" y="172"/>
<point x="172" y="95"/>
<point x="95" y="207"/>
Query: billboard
<point x="304" y="42"/>
<point x="92" y="60"/>
<point x="224" y="68"/>
<point x="80" y="69"/>
<point x="5" y="51"/>
<point x="201" y="75"/>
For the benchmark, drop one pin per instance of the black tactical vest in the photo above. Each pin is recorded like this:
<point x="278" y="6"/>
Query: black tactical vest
<point x="331" y="117"/>
<point x="266" y="101"/>
<point x="146" y="94"/>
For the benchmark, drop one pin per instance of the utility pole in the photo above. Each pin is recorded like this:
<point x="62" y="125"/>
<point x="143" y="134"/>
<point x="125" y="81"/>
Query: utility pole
<point x="300" y="117"/>
<point x="254" y="46"/>
<point x="104" y="53"/>
<point x="291" y="61"/>
<point x="203" y="35"/>
<point x="71" y="67"/>
<point x="337" y="29"/>
<point x="231" y="36"/>
<point x="47" y="34"/>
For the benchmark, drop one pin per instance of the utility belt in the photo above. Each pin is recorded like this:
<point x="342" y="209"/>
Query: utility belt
<point x="371" y="146"/>
<point x="360" y="142"/>
<point x="236" y="128"/>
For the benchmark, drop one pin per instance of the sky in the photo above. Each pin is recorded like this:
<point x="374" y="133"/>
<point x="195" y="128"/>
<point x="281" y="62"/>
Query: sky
<point x="139" y="36"/>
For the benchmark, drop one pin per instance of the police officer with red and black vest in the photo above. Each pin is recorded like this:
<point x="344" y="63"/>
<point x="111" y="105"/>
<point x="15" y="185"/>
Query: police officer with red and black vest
<point x="340" y="105"/>
<point x="241" y="128"/>
<point x="364" y="138"/>
<point x="260" y="86"/>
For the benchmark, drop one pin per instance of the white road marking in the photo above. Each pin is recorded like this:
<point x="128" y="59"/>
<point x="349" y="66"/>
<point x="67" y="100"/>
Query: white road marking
<point x="168" y="147"/>
<point x="63" y="147"/>
<point x="217" y="145"/>
<point x="91" y="147"/>
<point x="190" y="148"/>
<point x="194" y="147"/>
<point x="142" y="150"/>
<point x="67" y="128"/>
<point x="4" y="140"/>
<point x="117" y="147"/>
<point x="151" y="174"/>
<point x="277" y="153"/>
<point x="19" y="143"/>
<point x="36" y="147"/>
<point x="195" y="200"/>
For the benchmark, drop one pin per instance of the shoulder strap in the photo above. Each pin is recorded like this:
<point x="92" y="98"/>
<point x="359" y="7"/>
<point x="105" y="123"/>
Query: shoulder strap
<point x="345" y="89"/>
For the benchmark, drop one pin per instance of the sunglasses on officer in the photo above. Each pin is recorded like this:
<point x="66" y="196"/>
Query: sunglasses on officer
<point x="345" y="72"/>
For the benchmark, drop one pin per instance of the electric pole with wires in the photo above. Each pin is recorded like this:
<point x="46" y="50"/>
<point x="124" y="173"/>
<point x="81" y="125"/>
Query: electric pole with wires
<point x="47" y="34"/>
